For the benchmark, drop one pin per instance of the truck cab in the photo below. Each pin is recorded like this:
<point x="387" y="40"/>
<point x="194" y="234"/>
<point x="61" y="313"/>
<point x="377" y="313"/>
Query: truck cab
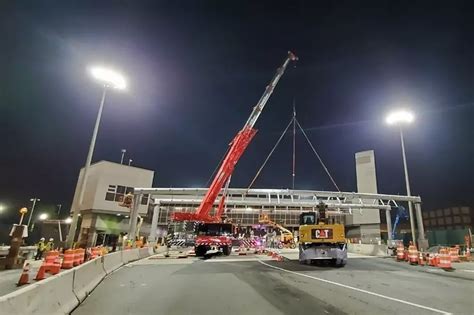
<point x="215" y="237"/>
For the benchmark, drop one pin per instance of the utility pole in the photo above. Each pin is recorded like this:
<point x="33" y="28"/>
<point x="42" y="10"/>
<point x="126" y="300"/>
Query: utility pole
<point x="34" y="200"/>
<point x="294" y="145"/>
<point x="59" y="209"/>
<point x="123" y="154"/>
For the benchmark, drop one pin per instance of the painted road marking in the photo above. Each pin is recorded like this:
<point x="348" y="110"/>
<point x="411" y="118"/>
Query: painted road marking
<point x="468" y="270"/>
<point x="357" y="289"/>
<point x="223" y="260"/>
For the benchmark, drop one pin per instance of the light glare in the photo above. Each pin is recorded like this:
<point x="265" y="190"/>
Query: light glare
<point x="43" y="216"/>
<point x="400" y="116"/>
<point x="68" y="220"/>
<point x="108" y="77"/>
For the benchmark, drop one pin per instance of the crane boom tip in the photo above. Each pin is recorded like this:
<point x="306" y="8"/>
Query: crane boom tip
<point x="292" y="56"/>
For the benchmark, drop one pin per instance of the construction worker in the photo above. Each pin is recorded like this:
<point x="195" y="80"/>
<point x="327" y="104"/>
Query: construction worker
<point x="40" y="249"/>
<point x="50" y="245"/>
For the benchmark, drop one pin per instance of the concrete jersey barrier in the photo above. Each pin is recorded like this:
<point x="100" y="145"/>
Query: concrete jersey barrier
<point x="63" y="292"/>
<point x="112" y="261"/>
<point x="143" y="252"/>
<point x="368" y="249"/>
<point x="51" y="296"/>
<point x="87" y="276"/>
<point x="129" y="255"/>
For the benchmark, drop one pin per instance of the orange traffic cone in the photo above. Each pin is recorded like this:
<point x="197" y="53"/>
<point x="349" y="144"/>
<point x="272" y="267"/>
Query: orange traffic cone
<point x="421" y="261"/>
<point x="24" y="278"/>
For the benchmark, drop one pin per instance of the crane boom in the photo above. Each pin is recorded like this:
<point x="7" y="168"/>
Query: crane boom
<point x="237" y="148"/>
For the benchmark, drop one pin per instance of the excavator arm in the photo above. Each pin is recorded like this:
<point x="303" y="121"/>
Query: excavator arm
<point x="237" y="148"/>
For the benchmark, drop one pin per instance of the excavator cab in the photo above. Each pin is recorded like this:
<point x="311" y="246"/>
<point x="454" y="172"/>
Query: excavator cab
<point x="308" y="218"/>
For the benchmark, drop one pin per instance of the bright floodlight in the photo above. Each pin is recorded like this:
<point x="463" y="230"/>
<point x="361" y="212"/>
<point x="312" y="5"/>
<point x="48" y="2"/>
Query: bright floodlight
<point x="68" y="220"/>
<point x="400" y="116"/>
<point x="109" y="77"/>
<point x="43" y="216"/>
<point x="2" y="208"/>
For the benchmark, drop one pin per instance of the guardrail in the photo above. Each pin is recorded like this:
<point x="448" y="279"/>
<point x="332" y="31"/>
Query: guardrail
<point x="61" y="293"/>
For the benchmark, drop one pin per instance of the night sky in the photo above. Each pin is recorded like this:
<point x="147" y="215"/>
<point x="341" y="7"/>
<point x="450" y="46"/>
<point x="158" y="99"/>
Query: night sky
<point x="196" y="70"/>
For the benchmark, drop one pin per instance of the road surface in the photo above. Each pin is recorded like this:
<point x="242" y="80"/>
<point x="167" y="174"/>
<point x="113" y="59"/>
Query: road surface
<point x="259" y="285"/>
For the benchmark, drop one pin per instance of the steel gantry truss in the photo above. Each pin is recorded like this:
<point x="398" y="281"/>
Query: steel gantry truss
<point x="254" y="200"/>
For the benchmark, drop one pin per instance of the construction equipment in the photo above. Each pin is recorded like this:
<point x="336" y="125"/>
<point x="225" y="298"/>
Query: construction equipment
<point x="287" y="239"/>
<point x="402" y="213"/>
<point x="320" y="239"/>
<point x="223" y="176"/>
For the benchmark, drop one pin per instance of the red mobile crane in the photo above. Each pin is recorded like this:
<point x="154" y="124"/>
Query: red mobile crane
<point x="212" y="234"/>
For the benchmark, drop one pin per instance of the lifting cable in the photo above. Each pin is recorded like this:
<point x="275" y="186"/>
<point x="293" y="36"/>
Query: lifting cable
<point x="317" y="155"/>
<point x="271" y="152"/>
<point x="294" y="121"/>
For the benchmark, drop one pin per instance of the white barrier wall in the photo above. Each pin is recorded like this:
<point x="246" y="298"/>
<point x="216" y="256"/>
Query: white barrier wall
<point x="112" y="262"/>
<point x="129" y="255"/>
<point x="61" y="293"/>
<point x="143" y="252"/>
<point x="368" y="249"/>
<point x="50" y="296"/>
<point x="87" y="276"/>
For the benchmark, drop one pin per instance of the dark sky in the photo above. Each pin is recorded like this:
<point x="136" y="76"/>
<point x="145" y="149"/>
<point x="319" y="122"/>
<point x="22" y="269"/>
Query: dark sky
<point x="196" y="70"/>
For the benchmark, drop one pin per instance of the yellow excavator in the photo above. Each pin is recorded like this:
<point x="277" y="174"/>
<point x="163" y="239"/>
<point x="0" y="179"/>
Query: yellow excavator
<point x="321" y="240"/>
<point x="287" y="239"/>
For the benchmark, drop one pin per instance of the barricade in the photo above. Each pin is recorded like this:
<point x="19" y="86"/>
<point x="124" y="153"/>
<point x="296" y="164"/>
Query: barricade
<point x="444" y="259"/>
<point x="454" y="253"/>
<point x="412" y="255"/>
<point x="87" y="277"/>
<point x="143" y="252"/>
<point x="112" y="261"/>
<point x="68" y="260"/>
<point x="421" y="260"/>
<point x="400" y="252"/>
<point x="50" y="296"/>
<point x="81" y="254"/>
<point x="77" y="257"/>
<point x="129" y="255"/>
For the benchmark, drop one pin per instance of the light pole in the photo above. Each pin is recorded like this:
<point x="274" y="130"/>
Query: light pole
<point x="59" y="209"/>
<point x="109" y="79"/>
<point x="400" y="118"/>
<point x="34" y="200"/>
<point x="41" y="217"/>
<point x="123" y="154"/>
<point x="130" y="162"/>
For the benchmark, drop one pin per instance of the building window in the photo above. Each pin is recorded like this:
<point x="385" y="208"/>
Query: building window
<point x="439" y="212"/>
<point x="449" y="220"/>
<point x="109" y="196"/>
<point x="432" y="214"/>
<point x="440" y="221"/>
<point x="457" y="219"/>
<point x="447" y="211"/>
<point x="115" y="193"/>
<point x="456" y="210"/>
<point x="466" y="219"/>
<point x="426" y="222"/>
<point x="465" y="210"/>
<point x="144" y="200"/>
<point x="433" y="222"/>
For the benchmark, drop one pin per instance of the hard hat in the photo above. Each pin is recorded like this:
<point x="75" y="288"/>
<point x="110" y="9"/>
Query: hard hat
<point x="42" y="239"/>
<point x="51" y="239"/>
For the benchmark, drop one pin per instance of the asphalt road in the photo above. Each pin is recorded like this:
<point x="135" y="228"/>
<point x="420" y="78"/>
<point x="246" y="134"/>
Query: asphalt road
<point x="256" y="285"/>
